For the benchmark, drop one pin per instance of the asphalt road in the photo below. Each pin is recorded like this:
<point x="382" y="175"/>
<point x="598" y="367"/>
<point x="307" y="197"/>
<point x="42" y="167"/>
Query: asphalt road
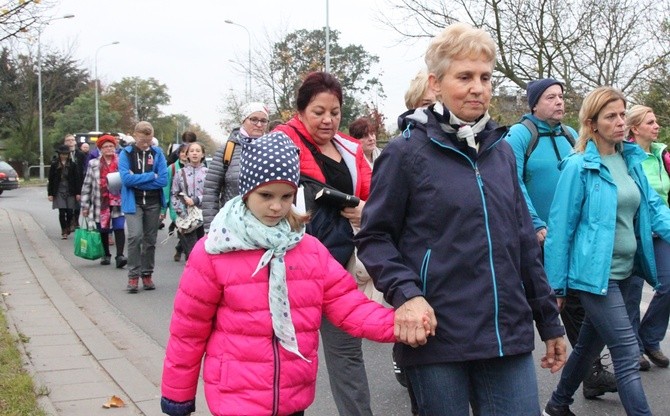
<point x="151" y="311"/>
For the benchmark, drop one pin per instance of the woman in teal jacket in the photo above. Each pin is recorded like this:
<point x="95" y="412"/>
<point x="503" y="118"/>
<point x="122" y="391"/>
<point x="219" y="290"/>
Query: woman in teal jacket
<point x="600" y="230"/>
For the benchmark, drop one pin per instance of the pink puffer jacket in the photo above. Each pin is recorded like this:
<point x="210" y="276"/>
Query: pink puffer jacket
<point x="222" y="312"/>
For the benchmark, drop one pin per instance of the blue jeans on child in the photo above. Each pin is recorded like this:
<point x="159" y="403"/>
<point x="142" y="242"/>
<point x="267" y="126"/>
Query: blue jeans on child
<point x="606" y="323"/>
<point x="496" y="386"/>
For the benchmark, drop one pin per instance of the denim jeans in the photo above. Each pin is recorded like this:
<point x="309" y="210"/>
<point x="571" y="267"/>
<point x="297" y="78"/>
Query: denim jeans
<point x="496" y="386"/>
<point x="142" y="234"/>
<point x="655" y="321"/>
<point x="606" y="323"/>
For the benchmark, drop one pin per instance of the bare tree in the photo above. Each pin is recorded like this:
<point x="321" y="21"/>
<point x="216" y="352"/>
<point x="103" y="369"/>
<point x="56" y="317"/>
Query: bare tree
<point x="18" y="16"/>
<point x="584" y="43"/>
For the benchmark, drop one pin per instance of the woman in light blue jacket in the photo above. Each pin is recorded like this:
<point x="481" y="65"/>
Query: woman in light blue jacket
<point x="600" y="230"/>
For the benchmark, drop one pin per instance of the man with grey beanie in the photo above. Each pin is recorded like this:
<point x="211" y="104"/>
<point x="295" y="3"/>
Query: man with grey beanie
<point x="540" y="141"/>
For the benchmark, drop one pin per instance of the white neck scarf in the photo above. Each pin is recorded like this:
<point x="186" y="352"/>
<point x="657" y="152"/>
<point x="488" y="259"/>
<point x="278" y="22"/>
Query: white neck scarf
<point x="463" y="129"/>
<point x="235" y="228"/>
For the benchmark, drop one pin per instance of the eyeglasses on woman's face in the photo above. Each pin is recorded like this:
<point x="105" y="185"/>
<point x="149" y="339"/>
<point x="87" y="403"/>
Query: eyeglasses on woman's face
<point x="258" y="121"/>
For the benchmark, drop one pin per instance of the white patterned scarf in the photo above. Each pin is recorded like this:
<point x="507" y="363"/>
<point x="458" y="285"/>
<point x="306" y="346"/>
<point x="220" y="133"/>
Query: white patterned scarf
<point x="462" y="129"/>
<point x="235" y="228"/>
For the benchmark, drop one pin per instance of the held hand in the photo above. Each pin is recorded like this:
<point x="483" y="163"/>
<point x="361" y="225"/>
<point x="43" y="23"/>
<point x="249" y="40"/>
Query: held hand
<point x="354" y="214"/>
<point x="561" y="303"/>
<point x="556" y="355"/>
<point x="51" y="198"/>
<point x="84" y="213"/>
<point x="77" y="197"/>
<point x="414" y="321"/>
<point x="541" y="236"/>
<point x="161" y="217"/>
<point x="188" y="201"/>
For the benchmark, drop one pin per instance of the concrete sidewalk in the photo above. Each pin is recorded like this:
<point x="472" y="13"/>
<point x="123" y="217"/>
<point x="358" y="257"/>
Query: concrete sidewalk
<point x="80" y="350"/>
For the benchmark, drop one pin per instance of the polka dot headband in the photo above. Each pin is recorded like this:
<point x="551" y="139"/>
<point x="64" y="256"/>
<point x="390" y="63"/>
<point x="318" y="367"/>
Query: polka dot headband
<point x="270" y="158"/>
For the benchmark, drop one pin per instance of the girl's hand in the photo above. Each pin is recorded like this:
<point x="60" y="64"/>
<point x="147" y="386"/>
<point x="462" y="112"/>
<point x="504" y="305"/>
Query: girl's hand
<point x="84" y="212"/>
<point x="188" y="201"/>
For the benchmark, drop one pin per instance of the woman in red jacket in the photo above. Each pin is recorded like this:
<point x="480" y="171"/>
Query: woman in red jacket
<point x="328" y="158"/>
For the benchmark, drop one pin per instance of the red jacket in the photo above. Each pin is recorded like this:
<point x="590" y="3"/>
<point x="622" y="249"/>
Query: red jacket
<point x="223" y="313"/>
<point x="350" y="149"/>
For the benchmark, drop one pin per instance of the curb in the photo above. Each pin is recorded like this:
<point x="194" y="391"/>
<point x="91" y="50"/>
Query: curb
<point x="39" y="254"/>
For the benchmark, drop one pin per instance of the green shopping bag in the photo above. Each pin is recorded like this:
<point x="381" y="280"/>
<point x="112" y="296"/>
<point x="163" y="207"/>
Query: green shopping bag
<point x="88" y="244"/>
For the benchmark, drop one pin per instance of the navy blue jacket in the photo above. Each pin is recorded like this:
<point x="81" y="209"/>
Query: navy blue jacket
<point x="453" y="226"/>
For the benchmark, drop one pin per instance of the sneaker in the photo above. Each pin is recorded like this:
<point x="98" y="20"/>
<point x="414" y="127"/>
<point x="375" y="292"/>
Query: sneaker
<point x="599" y="381"/>
<point x="658" y="358"/>
<point x="551" y="410"/>
<point x="133" y="283"/>
<point x="400" y="375"/>
<point x="644" y="364"/>
<point x="120" y="261"/>
<point x="147" y="283"/>
<point x="106" y="260"/>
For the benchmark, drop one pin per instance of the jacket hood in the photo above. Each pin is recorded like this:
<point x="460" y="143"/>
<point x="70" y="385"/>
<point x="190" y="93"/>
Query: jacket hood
<point x="423" y="119"/>
<point x="412" y="119"/>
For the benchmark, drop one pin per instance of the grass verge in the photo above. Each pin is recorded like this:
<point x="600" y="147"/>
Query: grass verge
<point x="18" y="396"/>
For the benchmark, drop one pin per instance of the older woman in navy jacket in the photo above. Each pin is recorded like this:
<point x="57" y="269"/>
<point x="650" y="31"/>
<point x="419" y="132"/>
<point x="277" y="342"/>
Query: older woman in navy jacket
<point x="446" y="230"/>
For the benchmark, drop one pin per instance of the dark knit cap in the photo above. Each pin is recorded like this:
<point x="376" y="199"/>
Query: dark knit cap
<point x="270" y="158"/>
<point x="535" y="89"/>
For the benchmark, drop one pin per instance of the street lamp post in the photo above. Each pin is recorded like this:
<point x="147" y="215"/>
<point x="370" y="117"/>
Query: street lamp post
<point x="327" y="40"/>
<point x="39" y="89"/>
<point x="230" y="22"/>
<point x="97" y="112"/>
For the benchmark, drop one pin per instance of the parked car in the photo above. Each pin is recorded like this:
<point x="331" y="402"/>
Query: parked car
<point x="8" y="177"/>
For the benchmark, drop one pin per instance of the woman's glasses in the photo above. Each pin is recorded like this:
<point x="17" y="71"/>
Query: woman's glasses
<point x="258" y="121"/>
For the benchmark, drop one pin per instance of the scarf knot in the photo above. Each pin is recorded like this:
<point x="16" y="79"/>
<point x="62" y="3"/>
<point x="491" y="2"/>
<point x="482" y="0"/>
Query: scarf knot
<point x="464" y="131"/>
<point x="235" y="228"/>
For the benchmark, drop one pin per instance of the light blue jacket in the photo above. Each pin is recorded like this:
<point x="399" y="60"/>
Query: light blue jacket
<point x="153" y="179"/>
<point x="541" y="173"/>
<point x="582" y="222"/>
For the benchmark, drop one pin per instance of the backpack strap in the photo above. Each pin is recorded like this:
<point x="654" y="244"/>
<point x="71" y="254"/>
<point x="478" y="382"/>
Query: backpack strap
<point x="228" y="154"/>
<point x="665" y="156"/>
<point x="535" y="138"/>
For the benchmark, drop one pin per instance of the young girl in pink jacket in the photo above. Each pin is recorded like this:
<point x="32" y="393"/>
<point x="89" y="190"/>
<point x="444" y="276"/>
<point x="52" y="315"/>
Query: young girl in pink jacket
<point x="252" y="296"/>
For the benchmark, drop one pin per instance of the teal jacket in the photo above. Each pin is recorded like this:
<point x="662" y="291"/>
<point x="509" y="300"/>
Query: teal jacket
<point x="542" y="166"/>
<point x="582" y="222"/>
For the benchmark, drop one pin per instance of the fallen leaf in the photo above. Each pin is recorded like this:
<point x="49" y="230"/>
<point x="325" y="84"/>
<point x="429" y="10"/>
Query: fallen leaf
<point x="114" y="401"/>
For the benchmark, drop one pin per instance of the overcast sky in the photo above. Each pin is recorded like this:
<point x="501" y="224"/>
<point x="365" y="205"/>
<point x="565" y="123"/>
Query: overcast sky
<point x="188" y="47"/>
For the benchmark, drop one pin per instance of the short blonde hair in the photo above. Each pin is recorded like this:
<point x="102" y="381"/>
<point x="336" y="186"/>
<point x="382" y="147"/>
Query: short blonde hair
<point x="458" y="41"/>
<point x="416" y="91"/>
<point x="593" y="104"/>
<point x="635" y="116"/>
<point x="144" y="127"/>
